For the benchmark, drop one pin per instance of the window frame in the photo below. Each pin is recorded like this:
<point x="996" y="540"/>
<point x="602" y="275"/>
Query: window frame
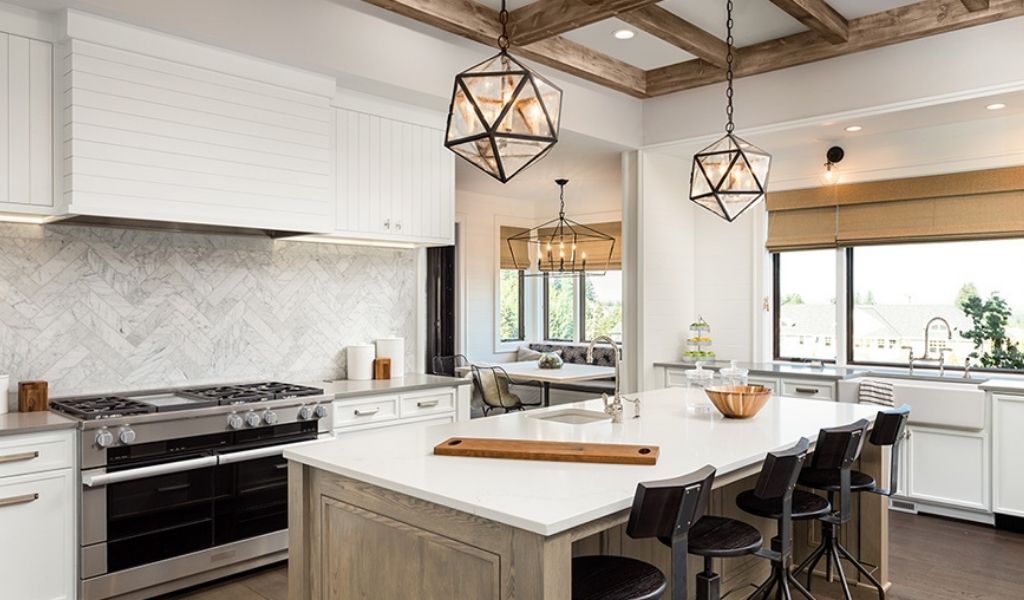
<point x="777" y="313"/>
<point x="582" y="308"/>
<point x="520" y="309"/>
<point x="547" y="308"/>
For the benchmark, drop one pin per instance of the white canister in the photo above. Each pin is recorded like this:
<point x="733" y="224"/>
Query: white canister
<point x="360" y="361"/>
<point x="5" y="383"/>
<point x="393" y="348"/>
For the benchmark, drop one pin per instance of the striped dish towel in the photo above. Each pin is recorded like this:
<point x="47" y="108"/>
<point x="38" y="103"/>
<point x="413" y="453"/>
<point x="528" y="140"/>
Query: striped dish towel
<point x="875" y="391"/>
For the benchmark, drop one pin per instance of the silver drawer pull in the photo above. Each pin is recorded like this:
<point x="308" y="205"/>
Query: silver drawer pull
<point x="18" y="457"/>
<point x="427" y="403"/>
<point x="15" y="500"/>
<point x="367" y="413"/>
<point x="806" y="390"/>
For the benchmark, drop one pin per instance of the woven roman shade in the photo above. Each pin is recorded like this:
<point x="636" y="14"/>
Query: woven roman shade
<point x="597" y="253"/>
<point x="959" y="206"/>
<point x="521" y="249"/>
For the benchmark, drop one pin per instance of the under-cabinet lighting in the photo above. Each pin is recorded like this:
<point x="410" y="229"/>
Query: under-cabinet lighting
<point x="326" y="239"/>
<point x="28" y="219"/>
<point x="624" y="34"/>
<point x="996" y="106"/>
<point x="854" y="128"/>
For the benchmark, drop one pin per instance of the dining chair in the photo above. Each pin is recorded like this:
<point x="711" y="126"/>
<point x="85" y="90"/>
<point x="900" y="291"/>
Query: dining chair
<point x="492" y="384"/>
<point x="449" y="366"/>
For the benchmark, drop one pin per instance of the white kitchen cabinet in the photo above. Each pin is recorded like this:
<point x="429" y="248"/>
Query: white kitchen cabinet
<point x="159" y="128"/>
<point x="430" y="406"/>
<point x="26" y="125"/>
<point x="814" y="389"/>
<point x="37" y="516"/>
<point x="768" y="382"/>
<point x="394" y="179"/>
<point x="948" y="467"/>
<point x="1008" y="455"/>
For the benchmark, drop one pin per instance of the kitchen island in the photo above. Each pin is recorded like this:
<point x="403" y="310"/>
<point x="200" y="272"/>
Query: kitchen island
<point x="379" y="516"/>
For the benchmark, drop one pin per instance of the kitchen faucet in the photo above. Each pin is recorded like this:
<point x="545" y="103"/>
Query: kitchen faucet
<point x="927" y="339"/>
<point x="615" y="407"/>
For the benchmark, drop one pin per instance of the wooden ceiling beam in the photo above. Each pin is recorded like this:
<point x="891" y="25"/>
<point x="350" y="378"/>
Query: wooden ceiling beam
<point x="543" y="19"/>
<point x="479" y="23"/>
<point x="819" y="17"/>
<point x="901" y="24"/>
<point x="975" y="5"/>
<point x="679" y="32"/>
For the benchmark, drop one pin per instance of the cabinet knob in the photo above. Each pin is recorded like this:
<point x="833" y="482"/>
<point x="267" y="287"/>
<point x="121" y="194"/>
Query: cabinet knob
<point x="387" y="224"/>
<point x="398" y="226"/>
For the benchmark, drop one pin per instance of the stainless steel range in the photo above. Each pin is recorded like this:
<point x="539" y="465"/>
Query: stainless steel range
<point x="187" y="485"/>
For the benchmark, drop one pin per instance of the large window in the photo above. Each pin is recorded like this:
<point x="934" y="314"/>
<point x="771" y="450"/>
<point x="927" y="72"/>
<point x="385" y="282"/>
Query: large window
<point x="511" y="306"/>
<point x="602" y="305"/>
<point x="973" y="286"/>
<point x="805" y="305"/>
<point x="559" y="308"/>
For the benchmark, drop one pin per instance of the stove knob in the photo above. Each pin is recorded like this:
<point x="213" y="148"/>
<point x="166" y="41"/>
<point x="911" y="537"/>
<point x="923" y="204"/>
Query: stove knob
<point x="235" y="421"/>
<point x="306" y="412"/>
<point x="321" y="411"/>
<point x="126" y="435"/>
<point x="252" y="419"/>
<point x="104" y="439"/>
<point x="270" y="417"/>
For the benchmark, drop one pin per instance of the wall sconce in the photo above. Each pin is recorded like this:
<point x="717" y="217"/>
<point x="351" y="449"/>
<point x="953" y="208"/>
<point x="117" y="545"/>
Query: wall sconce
<point x="833" y="157"/>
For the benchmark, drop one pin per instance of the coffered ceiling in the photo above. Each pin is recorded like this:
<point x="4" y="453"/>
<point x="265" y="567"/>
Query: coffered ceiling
<point x="679" y="44"/>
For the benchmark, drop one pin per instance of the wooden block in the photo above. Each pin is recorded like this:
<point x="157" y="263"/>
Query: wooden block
<point x="33" y="396"/>
<point x="625" y="454"/>
<point x="382" y="368"/>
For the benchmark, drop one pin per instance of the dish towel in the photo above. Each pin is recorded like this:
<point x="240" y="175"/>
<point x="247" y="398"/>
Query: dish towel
<point x="875" y="391"/>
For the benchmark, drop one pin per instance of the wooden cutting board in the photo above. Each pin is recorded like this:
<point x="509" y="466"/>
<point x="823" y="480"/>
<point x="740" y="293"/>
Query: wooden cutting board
<point x="553" y="451"/>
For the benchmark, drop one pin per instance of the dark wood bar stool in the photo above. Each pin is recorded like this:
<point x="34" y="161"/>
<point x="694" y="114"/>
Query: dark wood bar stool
<point x="824" y="474"/>
<point x="661" y="509"/>
<point x="775" y="497"/>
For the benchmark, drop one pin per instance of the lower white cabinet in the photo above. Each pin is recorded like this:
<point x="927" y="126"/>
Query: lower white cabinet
<point x="420" y="407"/>
<point x="768" y="382"/>
<point x="813" y="389"/>
<point x="37" y="520"/>
<point x="948" y="467"/>
<point x="1008" y="455"/>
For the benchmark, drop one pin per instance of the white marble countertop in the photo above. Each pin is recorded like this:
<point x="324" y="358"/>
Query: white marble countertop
<point x="550" y="497"/>
<point x="348" y="388"/>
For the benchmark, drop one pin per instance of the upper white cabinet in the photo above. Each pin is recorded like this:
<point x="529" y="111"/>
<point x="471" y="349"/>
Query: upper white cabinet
<point x="26" y="124"/>
<point x="166" y="129"/>
<point x="394" y="179"/>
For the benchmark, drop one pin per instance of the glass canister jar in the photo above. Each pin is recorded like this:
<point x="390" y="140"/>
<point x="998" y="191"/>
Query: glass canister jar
<point x="733" y="375"/>
<point x="700" y="377"/>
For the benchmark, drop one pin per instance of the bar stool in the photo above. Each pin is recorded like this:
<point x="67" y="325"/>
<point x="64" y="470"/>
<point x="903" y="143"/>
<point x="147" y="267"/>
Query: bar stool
<point x="661" y="509"/>
<point x="823" y="475"/>
<point x="775" y="497"/>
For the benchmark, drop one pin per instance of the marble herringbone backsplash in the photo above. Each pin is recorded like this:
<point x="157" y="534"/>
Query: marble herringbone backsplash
<point x="93" y="309"/>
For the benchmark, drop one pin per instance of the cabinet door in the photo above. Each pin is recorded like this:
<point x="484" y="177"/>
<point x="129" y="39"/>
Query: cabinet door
<point x="1008" y="455"/>
<point x="815" y="389"/>
<point x="768" y="382"/>
<point x="26" y="123"/>
<point x="948" y="467"/>
<point x="37" y="521"/>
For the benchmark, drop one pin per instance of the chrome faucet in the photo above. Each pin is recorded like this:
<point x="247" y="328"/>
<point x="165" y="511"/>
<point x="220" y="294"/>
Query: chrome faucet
<point x="613" y="408"/>
<point x="927" y="342"/>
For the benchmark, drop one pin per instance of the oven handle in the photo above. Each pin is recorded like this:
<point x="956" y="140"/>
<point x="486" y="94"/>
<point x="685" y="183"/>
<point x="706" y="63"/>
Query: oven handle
<point x="237" y="457"/>
<point x="101" y="478"/>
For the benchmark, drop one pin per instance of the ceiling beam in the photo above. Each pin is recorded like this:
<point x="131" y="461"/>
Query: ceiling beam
<point x="975" y="5"/>
<point x="479" y="23"/>
<point x="542" y="19"/>
<point x="902" y="24"/>
<point x="679" y="32"/>
<point x="819" y="17"/>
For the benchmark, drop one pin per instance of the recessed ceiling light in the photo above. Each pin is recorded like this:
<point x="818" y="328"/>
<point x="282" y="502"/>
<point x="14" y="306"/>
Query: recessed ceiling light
<point x="996" y="106"/>
<point x="624" y="34"/>
<point x="854" y="128"/>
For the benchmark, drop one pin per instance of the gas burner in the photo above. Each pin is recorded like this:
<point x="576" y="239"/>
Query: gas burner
<point x="283" y="390"/>
<point x="101" y="407"/>
<point x="228" y="394"/>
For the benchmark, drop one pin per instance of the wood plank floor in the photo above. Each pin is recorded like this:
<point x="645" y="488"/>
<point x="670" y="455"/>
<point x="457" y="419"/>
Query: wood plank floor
<point x="932" y="559"/>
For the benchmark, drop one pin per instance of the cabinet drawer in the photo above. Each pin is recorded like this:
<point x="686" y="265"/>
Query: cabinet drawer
<point x="414" y="405"/>
<point x="675" y="378"/>
<point x="367" y="410"/>
<point x="768" y="382"/>
<point x="800" y="388"/>
<point x="36" y="452"/>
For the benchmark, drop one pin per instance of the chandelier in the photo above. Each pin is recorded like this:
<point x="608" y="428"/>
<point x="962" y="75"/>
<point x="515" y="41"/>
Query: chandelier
<point x="731" y="175"/>
<point x="503" y="117"/>
<point x="561" y="246"/>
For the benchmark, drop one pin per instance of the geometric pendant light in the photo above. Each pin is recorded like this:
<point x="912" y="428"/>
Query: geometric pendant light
<point x="731" y="175"/>
<point x="503" y="117"/>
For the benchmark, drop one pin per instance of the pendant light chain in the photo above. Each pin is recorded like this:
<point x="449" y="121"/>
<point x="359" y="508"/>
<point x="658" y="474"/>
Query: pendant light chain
<point x="561" y="200"/>
<point x="503" y="41"/>
<point x="728" y="66"/>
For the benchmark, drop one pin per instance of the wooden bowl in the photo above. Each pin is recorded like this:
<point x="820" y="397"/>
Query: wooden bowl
<point x="739" y="401"/>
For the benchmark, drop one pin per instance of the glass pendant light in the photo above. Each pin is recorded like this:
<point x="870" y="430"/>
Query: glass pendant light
<point x="562" y="246"/>
<point x="503" y="116"/>
<point x="729" y="176"/>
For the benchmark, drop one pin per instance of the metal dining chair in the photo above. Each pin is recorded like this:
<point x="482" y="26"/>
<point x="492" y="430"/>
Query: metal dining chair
<point x="492" y="384"/>
<point x="449" y="366"/>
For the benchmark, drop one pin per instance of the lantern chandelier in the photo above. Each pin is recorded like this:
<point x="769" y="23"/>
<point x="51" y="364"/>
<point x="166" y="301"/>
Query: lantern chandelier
<point x="561" y="246"/>
<point x="503" y="117"/>
<point x="731" y="175"/>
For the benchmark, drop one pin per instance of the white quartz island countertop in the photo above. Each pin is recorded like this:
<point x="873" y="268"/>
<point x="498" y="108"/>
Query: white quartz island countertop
<point x="551" y="497"/>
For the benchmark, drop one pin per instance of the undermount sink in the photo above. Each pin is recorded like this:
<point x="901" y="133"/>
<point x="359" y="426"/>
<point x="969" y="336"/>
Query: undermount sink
<point x="572" y="416"/>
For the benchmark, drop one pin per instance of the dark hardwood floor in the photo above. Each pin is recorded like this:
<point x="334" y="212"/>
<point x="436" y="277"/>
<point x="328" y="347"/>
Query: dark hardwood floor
<point x="932" y="559"/>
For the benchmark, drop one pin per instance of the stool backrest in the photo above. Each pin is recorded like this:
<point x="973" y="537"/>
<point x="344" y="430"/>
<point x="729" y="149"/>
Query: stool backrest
<point x="781" y="470"/>
<point x="889" y="430"/>
<point x="838" y="448"/>
<point x="667" y="508"/>
<point x="448" y="365"/>
<point x="493" y="385"/>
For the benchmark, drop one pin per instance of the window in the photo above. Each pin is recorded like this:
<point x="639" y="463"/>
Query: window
<point x="511" y="306"/>
<point x="805" y="305"/>
<point x="559" y="308"/>
<point x="896" y="290"/>
<point x="602" y="305"/>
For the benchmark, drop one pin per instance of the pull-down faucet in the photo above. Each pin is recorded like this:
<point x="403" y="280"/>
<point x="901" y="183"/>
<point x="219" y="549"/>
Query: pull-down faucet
<point x="614" y="408"/>
<point x="927" y="343"/>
